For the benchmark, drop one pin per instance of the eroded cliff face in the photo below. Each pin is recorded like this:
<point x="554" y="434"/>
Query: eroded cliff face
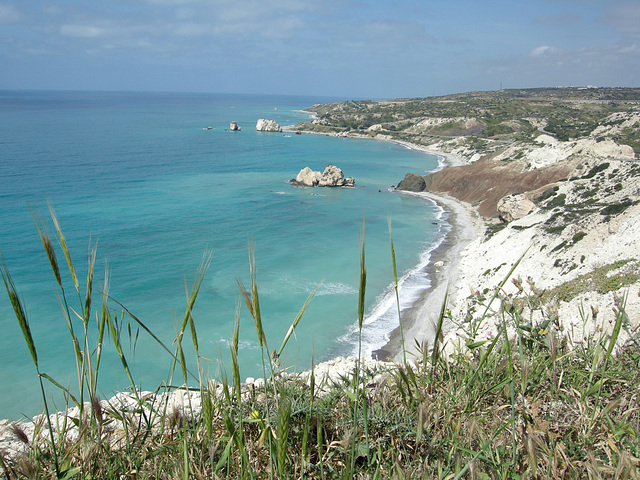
<point x="485" y="182"/>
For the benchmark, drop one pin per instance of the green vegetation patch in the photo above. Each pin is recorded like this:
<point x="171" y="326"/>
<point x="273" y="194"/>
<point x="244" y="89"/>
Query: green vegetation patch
<point x="578" y="236"/>
<point x="597" y="169"/>
<point x="494" y="228"/>
<point x="557" y="201"/>
<point x="616" y="208"/>
<point x="601" y="280"/>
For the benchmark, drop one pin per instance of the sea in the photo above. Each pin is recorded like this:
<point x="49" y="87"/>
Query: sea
<point x="155" y="182"/>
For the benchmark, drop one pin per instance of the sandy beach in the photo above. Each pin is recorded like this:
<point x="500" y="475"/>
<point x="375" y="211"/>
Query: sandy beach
<point x="418" y="321"/>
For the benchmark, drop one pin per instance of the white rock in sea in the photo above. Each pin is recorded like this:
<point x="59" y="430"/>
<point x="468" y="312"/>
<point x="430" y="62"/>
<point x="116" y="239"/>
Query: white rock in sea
<point x="264" y="125"/>
<point x="332" y="176"/>
<point x="308" y="177"/>
<point x="233" y="126"/>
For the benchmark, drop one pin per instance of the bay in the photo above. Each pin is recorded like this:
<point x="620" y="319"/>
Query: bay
<point x="141" y="176"/>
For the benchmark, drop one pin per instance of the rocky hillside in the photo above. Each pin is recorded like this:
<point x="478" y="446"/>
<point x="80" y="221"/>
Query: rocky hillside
<point x="479" y="124"/>
<point x="554" y="173"/>
<point x="579" y="247"/>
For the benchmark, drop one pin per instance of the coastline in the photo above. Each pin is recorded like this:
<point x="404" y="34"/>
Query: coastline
<point x="418" y="321"/>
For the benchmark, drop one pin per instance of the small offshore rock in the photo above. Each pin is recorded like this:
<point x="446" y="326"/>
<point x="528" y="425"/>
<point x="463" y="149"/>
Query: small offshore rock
<point x="264" y="125"/>
<point x="233" y="126"/>
<point x="412" y="183"/>
<point x="332" y="176"/>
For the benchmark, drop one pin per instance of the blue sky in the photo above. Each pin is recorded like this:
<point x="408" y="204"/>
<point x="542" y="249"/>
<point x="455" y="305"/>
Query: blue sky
<point x="348" y="48"/>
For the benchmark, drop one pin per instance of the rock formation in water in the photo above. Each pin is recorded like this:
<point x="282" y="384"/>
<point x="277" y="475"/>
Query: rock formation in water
<point x="332" y="176"/>
<point x="265" y="125"/>
<point x="412" y="183"/>
<point x="233" y="126"/>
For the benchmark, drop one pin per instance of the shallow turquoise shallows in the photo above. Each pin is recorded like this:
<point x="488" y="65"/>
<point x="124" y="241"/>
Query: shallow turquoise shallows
<point x="141" y="175"/>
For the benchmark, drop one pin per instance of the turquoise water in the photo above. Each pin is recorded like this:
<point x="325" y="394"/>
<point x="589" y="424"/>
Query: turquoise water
<point x="142" y="176"/>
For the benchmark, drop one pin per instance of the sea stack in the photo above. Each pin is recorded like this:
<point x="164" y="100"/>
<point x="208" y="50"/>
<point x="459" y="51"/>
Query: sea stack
<point x="233" y="126"/>
<point x="332" y="176"/>
<point x="265" y="125"/>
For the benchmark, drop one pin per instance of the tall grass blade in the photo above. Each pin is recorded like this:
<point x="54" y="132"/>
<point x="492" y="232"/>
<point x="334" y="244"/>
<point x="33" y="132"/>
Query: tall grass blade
<point x="251" y="299"/>
<point x="235" y="368"/>
<point x="48" y="246"/>
<point x="63" y="245"/>
<point x="435" y="353"/>
<point x="620" y="316"/>
<point x="502" y="284"/>
<point x="23" y="321"/>
<point x="293" y="326"/>
<point x="87" y="298"/>
<point x="363" y="280"/>
<point x="195" y="289"/>
<point x="282" y="428"/>
<point x="149" y="331"/>
<point x="115" y="336"/>
<point x="395" y="287"/>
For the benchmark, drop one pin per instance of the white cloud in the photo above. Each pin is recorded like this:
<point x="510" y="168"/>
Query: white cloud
<point x="9" y="14"/>
<point x="543" y="50"/>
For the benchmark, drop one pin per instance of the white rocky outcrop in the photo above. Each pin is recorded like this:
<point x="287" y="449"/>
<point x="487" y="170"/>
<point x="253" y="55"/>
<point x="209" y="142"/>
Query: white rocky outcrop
<point x="160" y="408"/>
<point x="431" y="122"/>
<point x="549" y="151"/>
<point x="308" y="177"/>
<point x="233" y="126"/>
<point x="514" y="207"/>
<point x="549" y="260"/>
<point x="332" y="176"/>
<point x="264" y="125"/>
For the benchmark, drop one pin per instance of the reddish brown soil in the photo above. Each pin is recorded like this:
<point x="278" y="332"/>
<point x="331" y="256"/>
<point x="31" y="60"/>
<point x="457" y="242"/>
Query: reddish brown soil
<point x="487" y="181"/>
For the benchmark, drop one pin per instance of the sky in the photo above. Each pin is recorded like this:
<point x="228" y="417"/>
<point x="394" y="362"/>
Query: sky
<point x="343" y="48"/>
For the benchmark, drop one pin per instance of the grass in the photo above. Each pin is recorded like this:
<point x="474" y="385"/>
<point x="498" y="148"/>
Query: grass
<point x="525" y="403"/>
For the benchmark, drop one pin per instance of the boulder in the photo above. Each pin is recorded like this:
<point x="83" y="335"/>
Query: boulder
<point x="412" y="183"/>
<point x="332" y="176"/>
<point x="513" y="207"/>
<point x="308" y="178"/>
<point x="233" y="126"/>
<point x="264" y="125"/>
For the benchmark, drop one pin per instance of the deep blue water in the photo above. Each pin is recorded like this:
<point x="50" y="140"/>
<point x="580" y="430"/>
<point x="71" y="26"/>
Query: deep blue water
<point x="140" y="175"/>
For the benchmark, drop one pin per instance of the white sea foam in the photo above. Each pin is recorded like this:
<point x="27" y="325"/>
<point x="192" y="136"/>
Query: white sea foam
<point x="383" y="317"/>
<point x="336" y="288"/>
<point x="290" y="285"/>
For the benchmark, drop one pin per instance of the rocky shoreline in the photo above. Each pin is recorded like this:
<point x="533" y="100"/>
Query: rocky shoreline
<point x="581" y="224"/>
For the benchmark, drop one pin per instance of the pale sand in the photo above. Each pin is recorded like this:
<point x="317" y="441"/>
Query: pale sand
<point x="419" y="320"/>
